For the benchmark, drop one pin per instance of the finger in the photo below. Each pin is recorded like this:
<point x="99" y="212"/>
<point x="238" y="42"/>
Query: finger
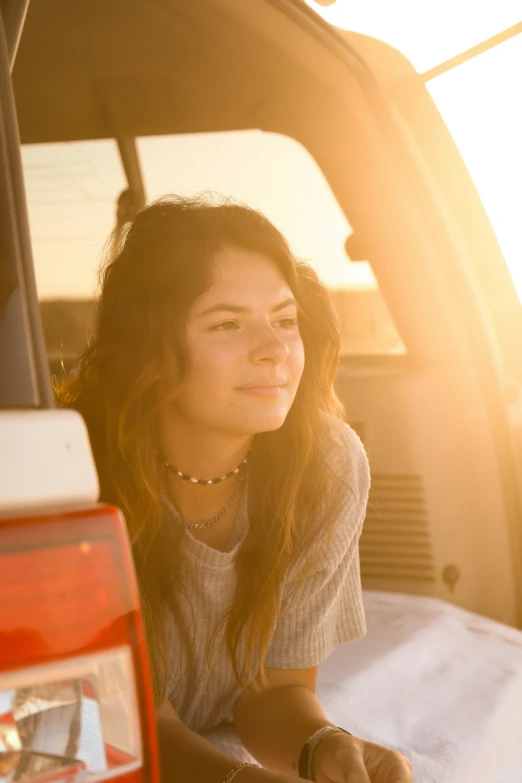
<point x="356" y="771"/>
<point x="400" y="771"/>
<point x="357" y="776"/>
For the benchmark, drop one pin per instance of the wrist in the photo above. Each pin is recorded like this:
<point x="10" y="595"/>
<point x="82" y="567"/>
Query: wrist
<point x="321" y="739"/>
<point x="327" y="750"/>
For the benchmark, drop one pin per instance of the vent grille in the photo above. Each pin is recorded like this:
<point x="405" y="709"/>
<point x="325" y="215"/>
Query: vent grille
<point x="396" y="542"/>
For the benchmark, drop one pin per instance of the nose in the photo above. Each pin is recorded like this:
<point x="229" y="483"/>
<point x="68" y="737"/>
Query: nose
<point x="268" y="348"/>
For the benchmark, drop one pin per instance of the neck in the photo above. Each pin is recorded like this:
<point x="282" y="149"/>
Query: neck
<point x="200" y="451"/>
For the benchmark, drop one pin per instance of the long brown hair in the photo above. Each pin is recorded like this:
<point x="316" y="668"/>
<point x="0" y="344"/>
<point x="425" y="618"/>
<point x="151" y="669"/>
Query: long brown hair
<point x="152" y="274"/>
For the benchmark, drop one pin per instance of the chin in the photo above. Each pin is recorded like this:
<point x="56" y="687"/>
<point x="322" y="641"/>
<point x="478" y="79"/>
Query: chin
<point x="254" y="418"/>
<point x="266" y="423"/>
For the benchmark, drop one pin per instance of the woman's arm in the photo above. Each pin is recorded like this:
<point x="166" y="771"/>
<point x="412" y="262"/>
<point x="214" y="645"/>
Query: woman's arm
<point x="186" y="756"/>
<point x="275" y="724"/>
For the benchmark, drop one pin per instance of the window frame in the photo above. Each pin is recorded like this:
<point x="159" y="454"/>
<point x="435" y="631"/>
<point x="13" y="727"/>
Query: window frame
<point x="24" y="377"/>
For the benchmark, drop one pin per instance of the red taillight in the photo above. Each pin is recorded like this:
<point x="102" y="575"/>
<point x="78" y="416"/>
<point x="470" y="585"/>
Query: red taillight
<point x="74" y="679"/>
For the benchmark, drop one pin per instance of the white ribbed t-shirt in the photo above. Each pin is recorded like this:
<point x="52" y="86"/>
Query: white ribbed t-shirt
<point x="326" y="611"/>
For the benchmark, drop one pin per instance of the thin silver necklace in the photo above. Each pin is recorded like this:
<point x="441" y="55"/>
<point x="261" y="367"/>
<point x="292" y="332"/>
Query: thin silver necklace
<point x="220" y="514"/>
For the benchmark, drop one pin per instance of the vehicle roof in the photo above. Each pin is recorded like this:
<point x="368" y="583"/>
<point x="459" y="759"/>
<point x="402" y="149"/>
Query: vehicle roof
<point x="91" y="69"/>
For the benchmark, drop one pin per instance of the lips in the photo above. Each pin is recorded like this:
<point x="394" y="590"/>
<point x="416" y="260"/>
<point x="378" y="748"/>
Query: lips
<point x="275" y="383"/>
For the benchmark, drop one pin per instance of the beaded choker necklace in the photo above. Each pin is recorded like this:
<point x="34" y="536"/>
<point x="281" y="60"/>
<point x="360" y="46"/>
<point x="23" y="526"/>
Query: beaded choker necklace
<point x="218" y="480"/>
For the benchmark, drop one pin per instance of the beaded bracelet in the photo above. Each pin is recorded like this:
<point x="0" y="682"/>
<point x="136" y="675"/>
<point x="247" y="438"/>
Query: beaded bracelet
<point x="237" y="769"/>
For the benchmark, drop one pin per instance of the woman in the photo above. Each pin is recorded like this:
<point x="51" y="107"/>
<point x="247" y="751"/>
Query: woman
<point x="208" y="393"/>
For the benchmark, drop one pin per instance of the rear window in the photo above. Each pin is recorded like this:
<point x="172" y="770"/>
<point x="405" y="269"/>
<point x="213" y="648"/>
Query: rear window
<point x="72" y="190"/>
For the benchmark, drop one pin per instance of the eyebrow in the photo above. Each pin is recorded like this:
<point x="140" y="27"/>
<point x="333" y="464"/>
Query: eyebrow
<point x="226" y="307"/>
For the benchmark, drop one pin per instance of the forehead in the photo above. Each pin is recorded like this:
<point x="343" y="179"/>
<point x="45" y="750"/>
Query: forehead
<point x="239" y="274"/>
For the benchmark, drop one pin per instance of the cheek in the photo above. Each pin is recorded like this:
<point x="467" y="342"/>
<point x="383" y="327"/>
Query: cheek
<point x="297" y="359"/>
<point x="212" y="363"/>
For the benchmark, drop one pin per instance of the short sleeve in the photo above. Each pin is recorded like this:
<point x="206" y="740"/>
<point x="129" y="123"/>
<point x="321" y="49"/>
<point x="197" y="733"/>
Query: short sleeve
<point x="327" y="608"/>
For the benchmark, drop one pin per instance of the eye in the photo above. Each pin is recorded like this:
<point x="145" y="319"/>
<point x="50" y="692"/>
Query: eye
<point x="224" y="326"/>
<point x="288" y="323"/>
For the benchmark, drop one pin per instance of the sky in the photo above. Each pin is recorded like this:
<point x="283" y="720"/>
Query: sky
<point x="72" y="188"/>
<point x="480" y="100"/>
<point x="426" y="31"/>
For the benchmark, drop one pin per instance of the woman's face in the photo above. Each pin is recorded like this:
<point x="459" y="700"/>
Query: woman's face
<point x="245" y="351"/>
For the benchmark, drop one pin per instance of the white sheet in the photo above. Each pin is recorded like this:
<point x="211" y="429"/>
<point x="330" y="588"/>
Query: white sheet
<point x="439" y="684"/>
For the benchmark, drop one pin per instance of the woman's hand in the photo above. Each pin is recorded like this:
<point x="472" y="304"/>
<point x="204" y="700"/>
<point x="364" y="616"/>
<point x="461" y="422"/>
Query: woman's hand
<point x="341" y="758"/>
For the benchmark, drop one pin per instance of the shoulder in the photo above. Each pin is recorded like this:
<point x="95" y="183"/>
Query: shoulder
<point x="346" y="463"/>
<point x="338" y="522"/>
<point x="347" y="485"/>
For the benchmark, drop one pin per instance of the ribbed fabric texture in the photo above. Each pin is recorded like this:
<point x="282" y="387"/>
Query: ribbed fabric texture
<point x="326" y="611"/>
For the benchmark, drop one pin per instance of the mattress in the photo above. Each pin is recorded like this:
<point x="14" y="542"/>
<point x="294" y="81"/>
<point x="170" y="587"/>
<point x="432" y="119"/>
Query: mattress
<point x="439" y="684"/>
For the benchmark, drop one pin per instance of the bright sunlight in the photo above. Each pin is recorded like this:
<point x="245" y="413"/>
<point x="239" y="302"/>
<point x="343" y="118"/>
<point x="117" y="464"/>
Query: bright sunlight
<point x="479" y="100"/>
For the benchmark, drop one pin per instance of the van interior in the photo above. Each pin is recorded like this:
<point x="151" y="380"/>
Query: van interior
<point x="429" y="371"/>
<point x="430" y="320"/>
<point x="336" y="138"/>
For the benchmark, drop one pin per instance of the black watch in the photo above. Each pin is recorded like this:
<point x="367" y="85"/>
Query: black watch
<point x="307" y="755"/>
